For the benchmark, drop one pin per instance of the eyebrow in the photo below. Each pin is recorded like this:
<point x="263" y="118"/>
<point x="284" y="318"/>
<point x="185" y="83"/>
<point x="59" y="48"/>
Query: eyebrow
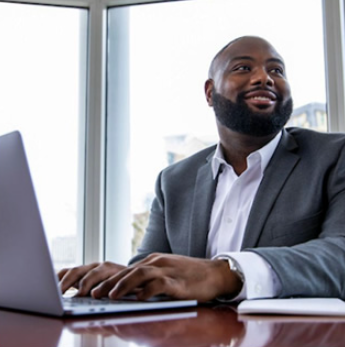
<point x="246" y="57"/>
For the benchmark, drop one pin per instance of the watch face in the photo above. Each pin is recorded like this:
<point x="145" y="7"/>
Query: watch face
<point x="232" y="264"/>
<point x="235" y="267"/>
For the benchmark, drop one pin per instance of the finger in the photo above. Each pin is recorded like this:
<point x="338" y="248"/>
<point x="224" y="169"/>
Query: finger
<point x="62" y="273"/>
<point x="103" y="288"/>
<point x="158" y="259"/>
<point x="97" y="275"/>
<point x="164" y="285"/>
<point x="71" y="277"/>
<point x="136" y="278"/>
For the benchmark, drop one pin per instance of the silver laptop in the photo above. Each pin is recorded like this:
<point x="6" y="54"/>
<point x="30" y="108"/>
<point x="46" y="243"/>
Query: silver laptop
<point x="27" y="278"/>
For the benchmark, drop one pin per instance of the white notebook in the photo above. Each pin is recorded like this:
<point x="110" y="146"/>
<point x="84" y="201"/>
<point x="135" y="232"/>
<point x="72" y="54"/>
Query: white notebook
<point x="298" y="306"/>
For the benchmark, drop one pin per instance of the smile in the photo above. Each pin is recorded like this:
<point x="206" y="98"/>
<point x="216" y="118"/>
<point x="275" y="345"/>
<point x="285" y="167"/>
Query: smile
<point x="260" y="101"/>
<point x="263" y="98"/>
<point x="264" y="95"/>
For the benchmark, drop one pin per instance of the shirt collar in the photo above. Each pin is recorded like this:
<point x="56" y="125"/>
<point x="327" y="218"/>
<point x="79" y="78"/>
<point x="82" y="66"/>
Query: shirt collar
<point x="265" y="154"/>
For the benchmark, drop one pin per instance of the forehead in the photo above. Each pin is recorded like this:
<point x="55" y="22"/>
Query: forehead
<point x="250" y="47"/>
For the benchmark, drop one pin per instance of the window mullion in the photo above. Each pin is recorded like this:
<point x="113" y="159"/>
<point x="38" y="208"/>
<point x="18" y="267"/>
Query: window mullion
<point x="334" y="52"/>
<point x="94" y="176"/>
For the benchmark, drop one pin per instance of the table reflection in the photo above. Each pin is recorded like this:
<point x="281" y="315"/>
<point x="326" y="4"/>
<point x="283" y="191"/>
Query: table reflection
<point x="304" y="331"/>
<point x="206" y="328"/>
<point x="24" y="330"/>
<point x="212" y="326"/>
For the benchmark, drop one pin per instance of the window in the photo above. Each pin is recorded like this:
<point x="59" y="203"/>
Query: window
<point x="155" y="114"/>
<point x="42" y="88"/>
<point x="158" y="59"/>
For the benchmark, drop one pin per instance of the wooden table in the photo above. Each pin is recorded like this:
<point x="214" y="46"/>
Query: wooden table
<point x="212" y="326"/>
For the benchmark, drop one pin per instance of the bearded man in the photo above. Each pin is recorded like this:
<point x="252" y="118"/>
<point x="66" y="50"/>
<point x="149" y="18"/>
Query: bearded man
<point x="259" y="215"/>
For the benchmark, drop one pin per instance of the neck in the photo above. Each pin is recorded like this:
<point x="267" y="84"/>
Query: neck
<point x="237" y="147"/>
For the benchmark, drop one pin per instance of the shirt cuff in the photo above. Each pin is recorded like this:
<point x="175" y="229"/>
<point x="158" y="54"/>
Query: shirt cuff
<point x="261" y="281"/>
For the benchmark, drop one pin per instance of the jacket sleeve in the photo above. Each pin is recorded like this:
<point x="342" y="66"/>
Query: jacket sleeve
<point x="316" y="268"/>
<point x="155" y="238"/>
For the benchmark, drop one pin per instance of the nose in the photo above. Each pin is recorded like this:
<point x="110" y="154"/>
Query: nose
<point x="261" y="77"/>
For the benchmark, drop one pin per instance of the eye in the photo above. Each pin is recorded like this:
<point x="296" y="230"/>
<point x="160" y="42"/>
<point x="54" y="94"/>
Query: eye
<point x="242" y="68"/>
<point x="278" y="70"/>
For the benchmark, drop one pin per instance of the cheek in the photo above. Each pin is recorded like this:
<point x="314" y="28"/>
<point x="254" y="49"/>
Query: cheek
<point x="230" y="89"/>
<point x="284" y="90"/>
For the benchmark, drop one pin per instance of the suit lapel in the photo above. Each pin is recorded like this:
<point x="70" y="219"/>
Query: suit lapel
<point x="276" y="173"/>
<point x="204" y="191"/>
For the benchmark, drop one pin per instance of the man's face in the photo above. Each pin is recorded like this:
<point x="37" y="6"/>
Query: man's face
<point x="250" y="92"/>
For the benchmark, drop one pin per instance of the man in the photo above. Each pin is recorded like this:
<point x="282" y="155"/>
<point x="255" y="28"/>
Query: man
<point x="260" y="215"/>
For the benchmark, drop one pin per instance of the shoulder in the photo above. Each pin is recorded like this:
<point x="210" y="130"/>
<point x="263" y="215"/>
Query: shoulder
<point x="307" y="139"/>
<point x="310" y="134"/>
<point x="191" y="164"/>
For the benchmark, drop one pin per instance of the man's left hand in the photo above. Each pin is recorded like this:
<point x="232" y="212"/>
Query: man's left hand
<point x="177" y="276"/>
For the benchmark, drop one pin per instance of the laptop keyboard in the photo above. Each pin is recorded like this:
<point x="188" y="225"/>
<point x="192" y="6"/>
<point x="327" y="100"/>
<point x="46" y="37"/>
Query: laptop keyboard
<point x="87" y="301"/>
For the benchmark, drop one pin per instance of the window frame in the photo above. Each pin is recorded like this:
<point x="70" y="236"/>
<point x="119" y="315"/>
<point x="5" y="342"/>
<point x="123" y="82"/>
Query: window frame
<point x="95" y="129"/>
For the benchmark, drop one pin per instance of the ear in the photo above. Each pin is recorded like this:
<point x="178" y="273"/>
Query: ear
<point x="209" y="85"/>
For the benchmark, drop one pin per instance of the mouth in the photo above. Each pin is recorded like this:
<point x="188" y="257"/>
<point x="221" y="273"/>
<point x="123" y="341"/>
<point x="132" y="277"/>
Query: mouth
<point x="261" y="98"/>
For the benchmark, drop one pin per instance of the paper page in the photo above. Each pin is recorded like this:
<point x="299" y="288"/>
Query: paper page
<point x="298" y="306"/>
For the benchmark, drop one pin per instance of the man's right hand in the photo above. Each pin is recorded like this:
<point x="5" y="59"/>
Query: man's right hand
<point x="86" y="277"/>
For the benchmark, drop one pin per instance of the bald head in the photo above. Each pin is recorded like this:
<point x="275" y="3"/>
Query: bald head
<point x="236" y="46"/>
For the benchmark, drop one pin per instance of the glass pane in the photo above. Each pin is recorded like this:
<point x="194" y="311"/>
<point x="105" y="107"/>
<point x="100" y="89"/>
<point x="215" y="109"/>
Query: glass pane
<point x="164" y="67"/>
<point x="42" y="88"/>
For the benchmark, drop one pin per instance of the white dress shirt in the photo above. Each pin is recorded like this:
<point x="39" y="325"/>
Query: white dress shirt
<point x="234" y="197"/>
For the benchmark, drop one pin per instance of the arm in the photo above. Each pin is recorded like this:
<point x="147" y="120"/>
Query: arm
<point x="316" y="267"/>
<point x="155" y="238"/>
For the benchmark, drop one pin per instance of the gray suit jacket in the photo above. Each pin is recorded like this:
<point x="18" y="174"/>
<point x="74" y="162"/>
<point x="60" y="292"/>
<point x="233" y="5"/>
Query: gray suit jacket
<point x="297" y="220"/>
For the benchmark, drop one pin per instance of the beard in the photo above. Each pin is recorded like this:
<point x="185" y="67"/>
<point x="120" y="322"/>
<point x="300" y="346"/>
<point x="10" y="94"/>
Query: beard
<point x="238" y="117"/>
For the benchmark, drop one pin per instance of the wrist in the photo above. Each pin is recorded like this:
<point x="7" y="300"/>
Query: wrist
<point x="233" y="279"/>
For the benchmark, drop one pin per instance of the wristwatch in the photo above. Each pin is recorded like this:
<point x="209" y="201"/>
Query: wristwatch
<point x="234" y="266"/>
